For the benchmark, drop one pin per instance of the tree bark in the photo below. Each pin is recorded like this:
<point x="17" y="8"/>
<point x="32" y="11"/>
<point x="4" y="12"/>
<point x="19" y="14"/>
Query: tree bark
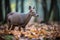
<point x="16" y="5"/>
<point x="44" y="5"/>
<point x="56" y="11"/>
<point x="51" y="8"/>
<point x="22" y="6"/>
<point x="7" y="8"/>
<point x="1" y="14"/>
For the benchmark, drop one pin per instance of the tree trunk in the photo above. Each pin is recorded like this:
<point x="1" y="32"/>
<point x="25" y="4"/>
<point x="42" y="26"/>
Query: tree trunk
<point x="56" y="11"/>
<point x="7" y="8"/>
<point x="16" y="5"/>
<point x="22" y="6"/>
<point x="49" y="12"/>
<point x="44" y="5"/>
<point x="1" y="14"/>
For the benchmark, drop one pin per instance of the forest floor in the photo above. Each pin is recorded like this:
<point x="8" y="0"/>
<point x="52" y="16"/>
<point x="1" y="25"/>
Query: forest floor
<point x="35" y="31"/>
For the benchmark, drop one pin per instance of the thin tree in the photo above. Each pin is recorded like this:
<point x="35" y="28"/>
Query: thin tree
<point x="7" y="8"/>
<point x="16" y="5"/>
<point x="50" y="15"/>
<point x="1" y="14"/>
<point x="55" y="9"/>
<point x="22" y="6"/>
<point x="44" y="5"/>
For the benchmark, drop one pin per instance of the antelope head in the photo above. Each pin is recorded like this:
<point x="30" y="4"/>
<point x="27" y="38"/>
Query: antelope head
<point x="33" y="11"/>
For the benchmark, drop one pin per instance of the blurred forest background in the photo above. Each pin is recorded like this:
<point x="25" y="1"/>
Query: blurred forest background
<point x="48" y="10"/>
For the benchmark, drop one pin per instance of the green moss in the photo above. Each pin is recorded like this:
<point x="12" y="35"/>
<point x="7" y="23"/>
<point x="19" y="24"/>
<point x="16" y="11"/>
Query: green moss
<point x="8" y="37"/>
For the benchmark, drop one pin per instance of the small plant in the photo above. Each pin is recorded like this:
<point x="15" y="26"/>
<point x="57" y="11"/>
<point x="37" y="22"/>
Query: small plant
<point x="8" y="37"/>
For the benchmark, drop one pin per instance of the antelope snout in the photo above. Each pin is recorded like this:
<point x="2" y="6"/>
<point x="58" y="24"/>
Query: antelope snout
<point x="37" y="15"/>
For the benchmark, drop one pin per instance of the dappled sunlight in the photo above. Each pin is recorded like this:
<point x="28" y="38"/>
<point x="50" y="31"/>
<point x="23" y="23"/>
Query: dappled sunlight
<point x="13" y="7"/>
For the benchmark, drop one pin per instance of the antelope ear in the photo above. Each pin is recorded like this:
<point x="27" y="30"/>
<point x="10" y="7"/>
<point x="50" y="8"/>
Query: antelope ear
<point x="30" y="7"/>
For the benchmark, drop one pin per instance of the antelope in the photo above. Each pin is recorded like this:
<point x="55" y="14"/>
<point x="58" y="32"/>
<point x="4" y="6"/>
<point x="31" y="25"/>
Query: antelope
<point x="15" y="18"/>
